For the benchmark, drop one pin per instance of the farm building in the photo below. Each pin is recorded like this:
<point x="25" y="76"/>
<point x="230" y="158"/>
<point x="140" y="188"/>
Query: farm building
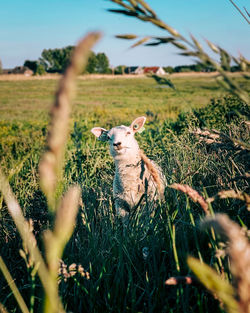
<point x="133" y="70"/>
<point x="154" y="70"/>
<point x="19" y="70"/>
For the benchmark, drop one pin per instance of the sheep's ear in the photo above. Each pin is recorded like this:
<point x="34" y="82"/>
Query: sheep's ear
<point x="137" y="124"/>
<point x="100" y="133"/>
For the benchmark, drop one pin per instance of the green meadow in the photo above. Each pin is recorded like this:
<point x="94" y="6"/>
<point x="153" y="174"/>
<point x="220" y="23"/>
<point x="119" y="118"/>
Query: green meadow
<point x="117" y="275"/>
<point x="119" y="98"/>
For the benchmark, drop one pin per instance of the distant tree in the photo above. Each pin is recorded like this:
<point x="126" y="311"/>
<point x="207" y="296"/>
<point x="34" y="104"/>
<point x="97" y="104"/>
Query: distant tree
<point x="40" y="70"/>
<point x="203" y="67"/>
<point x="102" y="63"/>
<point x="56" y="60"/>
<point x="1" y="67"/>
<point x="199" y="67"/>
<point x="92" y="64"/>
<point x="32" y="65"/>
<point x="119" y="70"/>
<point x="168" y="69"/>
<point x="182" y="69"/>
<point x="97" y="63"/>
<point x="235" y="68"/>
<point x="36" y="66"/>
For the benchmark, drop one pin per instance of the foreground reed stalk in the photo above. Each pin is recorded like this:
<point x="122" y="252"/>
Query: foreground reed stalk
<point x="51" y="163"/>
<point x="50" y="169"/>
<point x="238" y="250"/>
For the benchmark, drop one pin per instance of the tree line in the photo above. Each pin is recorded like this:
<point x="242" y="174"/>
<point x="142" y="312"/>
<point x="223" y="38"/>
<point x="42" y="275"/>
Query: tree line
<point x="199" y="67"/>
<point x="57" y="60"/>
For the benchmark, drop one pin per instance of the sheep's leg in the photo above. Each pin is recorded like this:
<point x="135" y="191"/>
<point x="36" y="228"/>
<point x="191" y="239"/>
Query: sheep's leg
<point x="121" y="212"/>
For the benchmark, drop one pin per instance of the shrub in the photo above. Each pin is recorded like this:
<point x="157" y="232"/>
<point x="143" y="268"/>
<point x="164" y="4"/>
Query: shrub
<point x="169" y="69"/>
<point x="40" y="70"/>
<point x="217" y="114"/>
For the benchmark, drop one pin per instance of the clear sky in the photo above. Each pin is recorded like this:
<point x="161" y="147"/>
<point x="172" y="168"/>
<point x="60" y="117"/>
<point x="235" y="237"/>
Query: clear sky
<point x="29" y="26"/>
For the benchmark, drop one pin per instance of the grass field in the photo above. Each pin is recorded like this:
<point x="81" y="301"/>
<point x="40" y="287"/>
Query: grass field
<point x="29" y="100"/>
<point x="118" y="277"/>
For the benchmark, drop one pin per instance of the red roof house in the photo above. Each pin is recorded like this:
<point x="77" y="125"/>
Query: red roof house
<point x="154" y="70"/>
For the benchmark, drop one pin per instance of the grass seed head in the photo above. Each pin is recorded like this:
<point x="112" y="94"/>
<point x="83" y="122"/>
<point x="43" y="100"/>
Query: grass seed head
<point x="238" y="249"/>
<point x="193" y="194"/>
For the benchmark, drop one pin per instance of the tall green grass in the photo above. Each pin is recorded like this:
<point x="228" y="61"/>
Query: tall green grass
<point x="118" y="275"/>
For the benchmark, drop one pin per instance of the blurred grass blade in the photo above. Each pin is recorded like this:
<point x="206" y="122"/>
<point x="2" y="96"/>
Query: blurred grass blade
<point x="163" y="81"/>
<point x="212" y="281"/>
<point x="179" y="45"/>
<point x="64" y="225"/>
<point x="241" y="13"/>
<point x="212" y="46"/>
<point x="126" y="36"/>
<point x="238" y="251"/>
<point x="13" y="287"/>
<point x="140" y="42"/>
<point x="28" y="238"/>
<point x="160" y="41"/>
<point x="196" y="42"/>
<point x="123" y="12"/>
<point x="147" y="7"/>
<point x="165" y="39"/>
<point x="247" y="12"/>
<point x="51" y="166"/>
<point x="3" y="309"/>
<point x="225" y="59"/>
<point x="66" y="214"/>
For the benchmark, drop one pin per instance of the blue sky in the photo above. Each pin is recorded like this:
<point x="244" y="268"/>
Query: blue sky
<point x="27" y="27"/>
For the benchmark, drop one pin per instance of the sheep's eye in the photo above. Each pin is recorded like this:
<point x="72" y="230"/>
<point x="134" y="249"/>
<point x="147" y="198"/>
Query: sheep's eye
<point x="109" y="137"/>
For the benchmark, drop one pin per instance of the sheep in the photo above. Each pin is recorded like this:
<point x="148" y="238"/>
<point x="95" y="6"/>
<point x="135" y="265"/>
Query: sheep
<point x="136" y="176"/>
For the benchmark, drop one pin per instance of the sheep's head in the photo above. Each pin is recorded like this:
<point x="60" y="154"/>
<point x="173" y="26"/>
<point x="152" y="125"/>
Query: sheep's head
<point x="121" y="138"/>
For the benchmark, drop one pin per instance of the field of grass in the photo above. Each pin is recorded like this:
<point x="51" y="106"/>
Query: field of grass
<point x="106" y="99"/>
<point x="118" y="276"/>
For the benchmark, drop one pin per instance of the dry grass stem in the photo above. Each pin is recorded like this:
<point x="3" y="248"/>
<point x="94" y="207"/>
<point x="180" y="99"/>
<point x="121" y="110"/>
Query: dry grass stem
<point x="219" y="139"/>
<point x="219" y="288"/>
<point x="238" y="249"/>
<point x="224" y="194"/>
<point x="193" y="194"/>
<point x="13" y="287"/>
<point x="27" y="237"/>
<point x="235" y="195"/>
<point x="65" y="272"/>
<point x="64" y="225"/>
<point x="3" y="309"/>
<point x="241" y="13"/>
<point x="52" y="160"/>
<point x="66" y="214"/>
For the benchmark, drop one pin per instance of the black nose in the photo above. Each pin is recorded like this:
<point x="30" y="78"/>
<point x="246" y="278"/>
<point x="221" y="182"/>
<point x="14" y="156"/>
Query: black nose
<point x="117" y="144"/>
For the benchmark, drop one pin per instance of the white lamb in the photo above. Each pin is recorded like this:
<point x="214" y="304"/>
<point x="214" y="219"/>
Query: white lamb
<point x="136" y="176"/>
